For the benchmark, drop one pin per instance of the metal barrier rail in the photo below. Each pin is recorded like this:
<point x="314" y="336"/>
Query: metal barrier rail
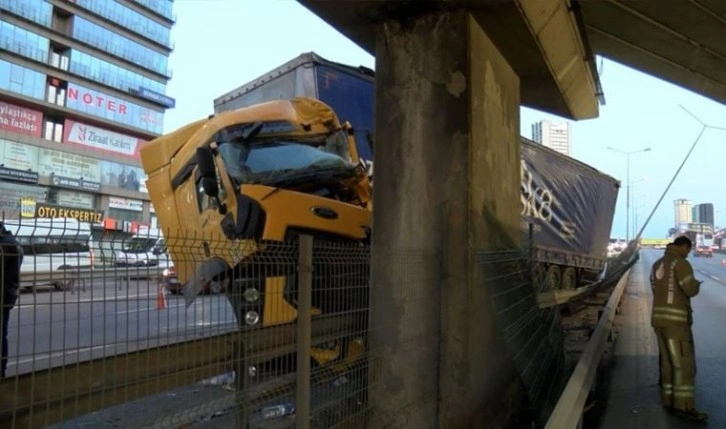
<point x="85" y="274"/>
<point x="41" y="398"/>
<point x="568" y="411"/>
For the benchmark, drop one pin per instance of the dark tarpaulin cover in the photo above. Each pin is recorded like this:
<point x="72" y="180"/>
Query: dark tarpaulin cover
<point x="570" y="204"/>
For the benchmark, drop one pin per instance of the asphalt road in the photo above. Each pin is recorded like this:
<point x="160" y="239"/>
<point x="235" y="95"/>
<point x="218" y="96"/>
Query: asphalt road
<point x="633" y="401"/>
<point x="50" y="328"/>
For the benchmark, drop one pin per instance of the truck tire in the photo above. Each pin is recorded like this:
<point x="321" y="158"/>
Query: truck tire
<point x="553" y="278"/>
<point x="569" y="279"/>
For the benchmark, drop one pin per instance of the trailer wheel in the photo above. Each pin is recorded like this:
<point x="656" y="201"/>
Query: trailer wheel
<point x="554" y="277"/>
<point x="569" y="279"/>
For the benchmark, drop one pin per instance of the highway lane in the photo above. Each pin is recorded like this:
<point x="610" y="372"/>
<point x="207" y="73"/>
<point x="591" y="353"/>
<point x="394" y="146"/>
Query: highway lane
<point x="52" y="328"/>
<point x="709" y="314"/>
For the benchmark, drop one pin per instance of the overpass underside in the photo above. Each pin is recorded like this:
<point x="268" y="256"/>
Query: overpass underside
<point x="450" y="79"/>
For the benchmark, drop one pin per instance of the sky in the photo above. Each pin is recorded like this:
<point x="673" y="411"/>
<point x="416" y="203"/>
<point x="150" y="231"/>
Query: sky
<point x="222" y="44"/>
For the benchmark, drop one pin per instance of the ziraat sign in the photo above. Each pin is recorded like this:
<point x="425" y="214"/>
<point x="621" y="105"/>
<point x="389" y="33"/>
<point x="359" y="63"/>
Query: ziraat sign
<point x="101" y="140"/>
<point x="20" y="120"/>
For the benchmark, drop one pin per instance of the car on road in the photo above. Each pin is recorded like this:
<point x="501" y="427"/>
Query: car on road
<point x="170" y="281"/>
<point x="703" y="251"/>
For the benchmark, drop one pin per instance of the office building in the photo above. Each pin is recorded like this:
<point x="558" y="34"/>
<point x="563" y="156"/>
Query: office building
<point x="554" y="135"/>
<point x="683" y="214"/>
<point x="82" y="86"/>
<point x="703" y="213"/>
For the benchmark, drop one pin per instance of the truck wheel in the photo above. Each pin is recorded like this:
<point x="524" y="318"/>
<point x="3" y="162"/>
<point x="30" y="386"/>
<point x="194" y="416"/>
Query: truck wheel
<point x="569" y="279"/>
<point x="553" y="278"/>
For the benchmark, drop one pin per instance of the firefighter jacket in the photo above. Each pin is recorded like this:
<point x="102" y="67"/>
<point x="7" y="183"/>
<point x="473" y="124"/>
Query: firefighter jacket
<point x="673" y="285"/>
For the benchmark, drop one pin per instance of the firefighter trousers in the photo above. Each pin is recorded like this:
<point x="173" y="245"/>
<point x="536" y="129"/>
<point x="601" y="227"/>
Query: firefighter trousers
<point x="677" y="366"/>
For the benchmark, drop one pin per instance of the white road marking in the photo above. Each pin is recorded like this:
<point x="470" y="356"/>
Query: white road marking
<point x="715" y="278"/>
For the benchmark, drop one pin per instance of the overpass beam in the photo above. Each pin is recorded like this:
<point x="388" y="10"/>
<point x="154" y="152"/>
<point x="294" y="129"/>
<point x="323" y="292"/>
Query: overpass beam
<point x="447" y="167"/>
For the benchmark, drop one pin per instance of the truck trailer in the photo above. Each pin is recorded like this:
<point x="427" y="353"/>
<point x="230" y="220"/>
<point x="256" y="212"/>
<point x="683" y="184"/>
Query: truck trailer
<point x="569" y="204"/>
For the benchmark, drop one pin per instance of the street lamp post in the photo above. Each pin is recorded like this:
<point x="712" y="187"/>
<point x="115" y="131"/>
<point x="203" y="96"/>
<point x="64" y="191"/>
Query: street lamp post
<point x="627" y="179"/>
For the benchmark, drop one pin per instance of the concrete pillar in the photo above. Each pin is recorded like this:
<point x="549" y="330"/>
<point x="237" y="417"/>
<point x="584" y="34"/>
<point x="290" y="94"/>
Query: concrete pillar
<point x="447" y="174"/>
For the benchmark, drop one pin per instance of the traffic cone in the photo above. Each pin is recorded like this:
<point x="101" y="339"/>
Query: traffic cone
<point x="160" y="299"/>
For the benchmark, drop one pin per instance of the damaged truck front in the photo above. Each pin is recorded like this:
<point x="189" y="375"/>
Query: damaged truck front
<point x="231" y="189"/>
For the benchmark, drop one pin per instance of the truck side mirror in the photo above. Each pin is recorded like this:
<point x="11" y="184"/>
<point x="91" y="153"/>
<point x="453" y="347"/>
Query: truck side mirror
<point x="207" y="171"/>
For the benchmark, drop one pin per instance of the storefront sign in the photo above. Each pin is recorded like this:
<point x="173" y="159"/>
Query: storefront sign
<point x="125" y="204"/>
<point x="20" y="120"/>
<point x="18" y="175"/>
<point x="18" y="156"/>
<point x="27" y="207"/>
<point x="75" y="199"/>
<point x="45" y="210"/>
<point x="100" y="139"/>
<point x="71" y="183"/>
<point x="108" y="107"/>
<point x="156" y="97"/>
<point x="96" y="100"/>
<point x="66" y="164"/>
<point x="11" y="195"/>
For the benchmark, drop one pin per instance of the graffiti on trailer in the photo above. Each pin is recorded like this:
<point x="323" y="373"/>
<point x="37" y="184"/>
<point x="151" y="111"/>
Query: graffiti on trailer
<point x="537" y="200"/>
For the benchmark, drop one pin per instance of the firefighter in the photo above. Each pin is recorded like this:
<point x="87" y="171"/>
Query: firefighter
<point x="673" y="287"/>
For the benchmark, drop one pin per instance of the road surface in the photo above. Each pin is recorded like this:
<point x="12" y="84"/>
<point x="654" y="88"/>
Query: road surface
<point x="51" y="328"/>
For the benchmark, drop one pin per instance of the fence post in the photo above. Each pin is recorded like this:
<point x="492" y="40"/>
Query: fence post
<point x="304" y="331"/>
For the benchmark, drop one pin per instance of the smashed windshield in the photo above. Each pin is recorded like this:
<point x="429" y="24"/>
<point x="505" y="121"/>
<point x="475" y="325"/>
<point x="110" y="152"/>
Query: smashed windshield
<point x="280" y="161"/>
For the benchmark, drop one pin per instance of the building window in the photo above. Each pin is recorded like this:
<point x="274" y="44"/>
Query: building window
<point x="22" y="80"/>
<point x="162" y="7"/>
<point x="120" y="46"/>
<point x="39" y="11"/>
<point x="129" y="19"/>
<point x="56" y="91"/>
<point x="112" y="75"/>
<point x="23" y="42"/>
<point x="53" y="129"/>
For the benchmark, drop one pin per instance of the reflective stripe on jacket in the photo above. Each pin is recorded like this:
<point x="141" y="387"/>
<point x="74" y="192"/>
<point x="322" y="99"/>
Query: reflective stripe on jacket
<point x="673" y="285"/>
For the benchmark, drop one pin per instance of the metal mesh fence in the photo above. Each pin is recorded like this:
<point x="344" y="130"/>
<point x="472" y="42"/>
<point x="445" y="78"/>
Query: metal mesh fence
<point x="119" y="342"/>
<point x="198" y="331"/>
<point x="533" y="335"/>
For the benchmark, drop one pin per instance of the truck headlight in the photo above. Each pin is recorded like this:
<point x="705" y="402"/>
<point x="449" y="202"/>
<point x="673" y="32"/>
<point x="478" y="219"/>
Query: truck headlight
<point x="251" y="318"/>
<point x="251" y="294"/>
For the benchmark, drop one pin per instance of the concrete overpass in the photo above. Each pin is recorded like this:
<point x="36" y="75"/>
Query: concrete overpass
<point x="451" y="76"/>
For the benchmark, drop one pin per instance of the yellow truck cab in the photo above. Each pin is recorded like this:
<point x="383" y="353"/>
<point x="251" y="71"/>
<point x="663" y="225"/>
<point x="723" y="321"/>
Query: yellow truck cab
<point x="227" y="187"/>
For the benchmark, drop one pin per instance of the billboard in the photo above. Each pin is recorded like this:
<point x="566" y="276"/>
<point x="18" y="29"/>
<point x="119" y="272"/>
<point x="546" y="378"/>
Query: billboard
<point x="20" y="120"/>
<point x="64" y="164"/>
<point x="18" y="156"/>
<point x="101" y="140"/>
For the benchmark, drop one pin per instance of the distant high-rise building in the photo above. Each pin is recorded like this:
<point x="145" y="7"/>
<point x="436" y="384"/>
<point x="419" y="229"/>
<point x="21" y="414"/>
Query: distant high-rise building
<point x="683" y="212"/>
<point x="554" y="135"/>
<point x="703" y="213"/>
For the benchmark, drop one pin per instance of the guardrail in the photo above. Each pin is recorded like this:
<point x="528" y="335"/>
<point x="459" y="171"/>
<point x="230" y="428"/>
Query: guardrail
<point x="74" y="277"/>
<point x="568" y="411"/>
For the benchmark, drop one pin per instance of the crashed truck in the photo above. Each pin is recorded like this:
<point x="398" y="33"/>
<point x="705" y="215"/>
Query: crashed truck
<point x="569" y="204"/>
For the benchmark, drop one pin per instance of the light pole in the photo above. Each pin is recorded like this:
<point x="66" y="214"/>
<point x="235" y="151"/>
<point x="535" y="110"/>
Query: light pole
<point x="627" y="179"/>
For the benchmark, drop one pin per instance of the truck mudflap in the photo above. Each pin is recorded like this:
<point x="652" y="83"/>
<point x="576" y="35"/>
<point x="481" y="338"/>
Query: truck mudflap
<point x="207" y="271"/>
